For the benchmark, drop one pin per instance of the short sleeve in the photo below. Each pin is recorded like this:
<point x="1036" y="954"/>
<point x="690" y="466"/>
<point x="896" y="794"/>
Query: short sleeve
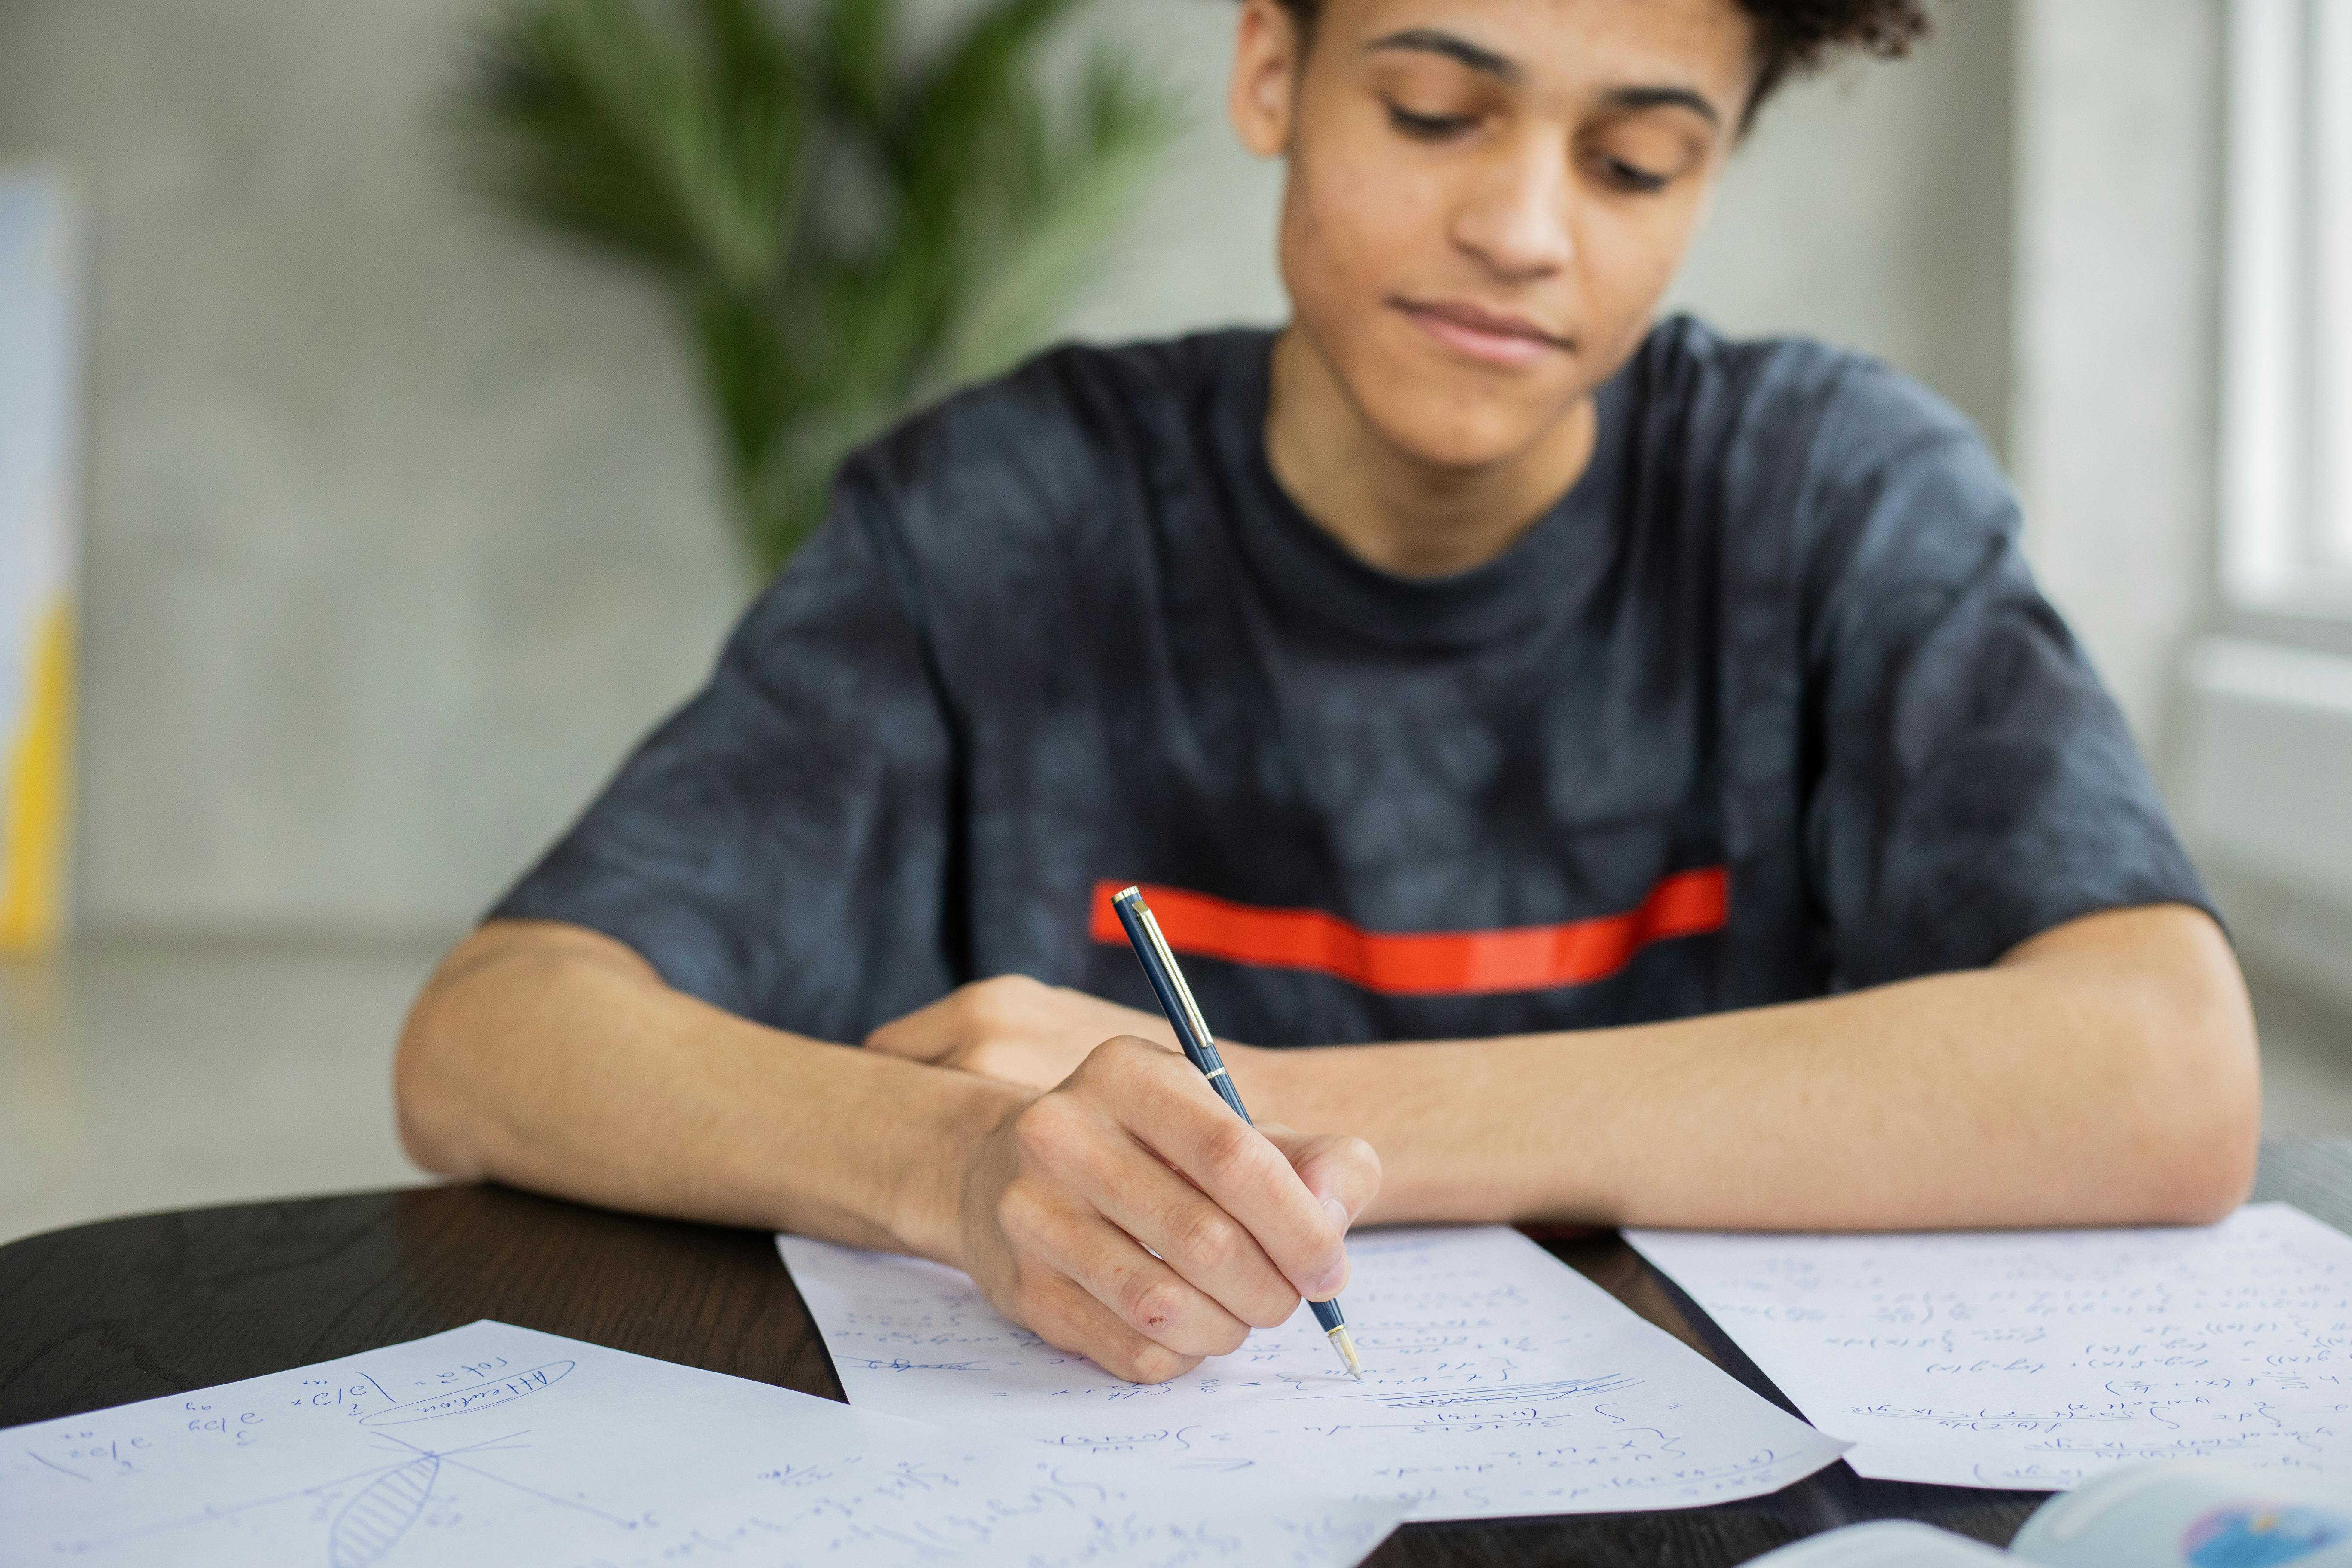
<point x="779" y="847"/>
<point x="1974" y="783"/>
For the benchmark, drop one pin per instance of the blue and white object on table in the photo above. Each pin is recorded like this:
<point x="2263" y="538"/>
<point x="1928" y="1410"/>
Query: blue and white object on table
<point x="2193" y="1514"/>
<point x="2183" y="1514"/>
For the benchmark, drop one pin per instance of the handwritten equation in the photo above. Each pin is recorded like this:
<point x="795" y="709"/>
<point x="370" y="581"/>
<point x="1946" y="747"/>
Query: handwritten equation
<point x="2038" y="1359"/>
<point x="1496" y="1382"/>
<point x="496" y="1445"/>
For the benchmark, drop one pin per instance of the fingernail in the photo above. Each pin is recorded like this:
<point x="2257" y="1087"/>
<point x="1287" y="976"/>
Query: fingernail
<point x="1336" y="1280"/>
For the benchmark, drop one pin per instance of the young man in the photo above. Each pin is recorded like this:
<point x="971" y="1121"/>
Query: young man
<point x="1657" y="740"/>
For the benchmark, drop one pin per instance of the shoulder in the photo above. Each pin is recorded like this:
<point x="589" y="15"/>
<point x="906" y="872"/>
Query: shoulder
<point x="1804" y="405"/>
<point x="1857" y="480"/>
<point x="1047" y="443"/>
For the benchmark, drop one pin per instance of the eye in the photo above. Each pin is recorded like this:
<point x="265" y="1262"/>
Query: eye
<point x="1627" y="176"/>
<point x="1427" y="127"/>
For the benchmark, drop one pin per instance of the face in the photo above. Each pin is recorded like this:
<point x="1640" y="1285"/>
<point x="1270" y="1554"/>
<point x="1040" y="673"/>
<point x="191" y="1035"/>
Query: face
<point x="1487" y="198"/>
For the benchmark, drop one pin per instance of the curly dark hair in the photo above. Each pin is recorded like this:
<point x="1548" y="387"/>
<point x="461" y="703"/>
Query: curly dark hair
<point x="1793" y="36"/>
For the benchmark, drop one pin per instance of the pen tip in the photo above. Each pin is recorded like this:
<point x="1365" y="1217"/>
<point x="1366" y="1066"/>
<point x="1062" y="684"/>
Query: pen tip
<point x="1345" y="1344"/>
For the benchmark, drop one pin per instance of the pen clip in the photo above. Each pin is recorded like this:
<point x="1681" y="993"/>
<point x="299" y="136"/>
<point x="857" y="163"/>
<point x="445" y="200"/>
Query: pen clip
<point x="1193" y="1020"/>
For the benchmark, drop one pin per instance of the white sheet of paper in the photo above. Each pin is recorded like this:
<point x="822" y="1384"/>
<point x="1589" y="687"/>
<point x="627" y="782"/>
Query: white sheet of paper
<point x="494" y="1445"/>
<point x="2037" y="1358"/>
<point x="1496" y="1382"/>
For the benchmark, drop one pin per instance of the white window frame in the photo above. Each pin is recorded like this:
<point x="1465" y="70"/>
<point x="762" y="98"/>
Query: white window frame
<point x="2278" y="479"/>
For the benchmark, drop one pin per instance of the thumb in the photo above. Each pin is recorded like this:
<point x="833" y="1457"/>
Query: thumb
<point x="1343" y="1173"/>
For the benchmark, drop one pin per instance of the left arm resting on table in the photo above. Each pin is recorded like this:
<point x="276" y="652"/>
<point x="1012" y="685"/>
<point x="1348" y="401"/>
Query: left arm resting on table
<point x="2102" y="1072"/>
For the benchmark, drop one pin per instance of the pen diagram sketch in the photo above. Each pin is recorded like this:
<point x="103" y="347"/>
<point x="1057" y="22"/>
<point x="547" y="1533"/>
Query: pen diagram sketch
<point x="496" y="1445"/>
<point x="1496" y="1382"/>
<point x="2037" y="1358"/>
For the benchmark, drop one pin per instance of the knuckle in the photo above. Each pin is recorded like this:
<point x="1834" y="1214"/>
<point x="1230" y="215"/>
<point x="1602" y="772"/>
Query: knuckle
<point x="1045" y="1128"/>
<point x="1270" y="1308"/>
<point x="1021" y="1211"/>
<point x="1127" y="1054"/>
<point x="1158" y="1363"/>
<point x="1149" y="1304"/>
<point x="1232" y="1338"/>
<point x="1208" y="1241"/>
<point x="1004" y="994"/>
<point x="1033" y="1133"/>
<point x="1231" y="1149"/>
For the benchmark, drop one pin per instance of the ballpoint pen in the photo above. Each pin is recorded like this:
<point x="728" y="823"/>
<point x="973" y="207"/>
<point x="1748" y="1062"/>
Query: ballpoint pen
<point x="1158" y="961"/>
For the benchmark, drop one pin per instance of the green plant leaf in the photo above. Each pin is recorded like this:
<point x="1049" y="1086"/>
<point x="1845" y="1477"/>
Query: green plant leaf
<point x="845" y="228"/>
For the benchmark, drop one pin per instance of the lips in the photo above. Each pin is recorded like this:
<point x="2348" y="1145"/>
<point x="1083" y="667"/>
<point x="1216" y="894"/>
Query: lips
<point x="1488" y="336"/>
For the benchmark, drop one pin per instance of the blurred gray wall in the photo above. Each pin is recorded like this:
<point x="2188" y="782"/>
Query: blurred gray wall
<point x="2119" y="212"/>
<point x="402" y="525"/>
<point x="402" y="522"/>
<point x="1872" y="207"/>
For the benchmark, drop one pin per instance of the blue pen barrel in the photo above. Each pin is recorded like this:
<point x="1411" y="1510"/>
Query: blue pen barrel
<point x="1201" y="1049"/>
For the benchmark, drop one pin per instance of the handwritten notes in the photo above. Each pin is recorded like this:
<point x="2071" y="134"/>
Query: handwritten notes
<point x="2038" y="1359"/>
<point x="493" y="1445"/>
<point x="1498" y="1381"/>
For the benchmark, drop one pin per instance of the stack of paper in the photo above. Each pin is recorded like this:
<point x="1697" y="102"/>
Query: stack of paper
<point x="2037" y="1358"/>
<point x="1496" y="1382"/>
<point x="492" y="1444"/>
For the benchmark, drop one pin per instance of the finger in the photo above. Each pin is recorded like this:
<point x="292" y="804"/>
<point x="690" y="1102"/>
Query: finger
<point x="1022" y="1062"/>
<point x="1148" y="1202"/>
<point x="1141" y="1291"/>
<point x="1111" y="1019"/>
<point x="925" y="1035"/>
<point x="1076" y="1137"/>
<point x="1077" y="1154"/>
<point x="1067" y="1317"/>
<point x="1205" y="1244"/>
<point x="1343" y="1173"/>
<point x="1170" y="1108"/>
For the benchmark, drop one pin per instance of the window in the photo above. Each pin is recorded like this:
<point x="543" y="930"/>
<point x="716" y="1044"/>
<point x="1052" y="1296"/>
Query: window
<point x="2286" y="451"/>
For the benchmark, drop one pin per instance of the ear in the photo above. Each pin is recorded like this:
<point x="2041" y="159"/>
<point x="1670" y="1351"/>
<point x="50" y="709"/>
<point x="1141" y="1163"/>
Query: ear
<point x="1265" y="86"/>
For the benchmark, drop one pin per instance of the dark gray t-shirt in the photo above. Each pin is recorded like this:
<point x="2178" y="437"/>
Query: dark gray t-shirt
<point x="1767" y="706"/>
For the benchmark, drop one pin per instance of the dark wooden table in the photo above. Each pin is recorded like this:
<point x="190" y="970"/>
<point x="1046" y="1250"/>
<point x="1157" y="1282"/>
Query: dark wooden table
<point x="136" y="1308"/>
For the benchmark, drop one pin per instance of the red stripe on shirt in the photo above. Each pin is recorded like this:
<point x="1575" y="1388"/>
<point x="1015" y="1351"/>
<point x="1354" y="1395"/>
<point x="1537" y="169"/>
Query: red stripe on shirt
<point x="1436" y="964"/>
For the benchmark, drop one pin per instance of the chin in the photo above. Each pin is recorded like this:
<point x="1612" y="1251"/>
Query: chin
<point x="1439" y="409"/>
<point x="1437" y="422"/>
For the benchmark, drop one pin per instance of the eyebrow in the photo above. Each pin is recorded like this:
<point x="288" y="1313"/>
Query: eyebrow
<point x="1486" y="62"/>
<point x="1431" y="41"/>
<point x="1665" y="97"/>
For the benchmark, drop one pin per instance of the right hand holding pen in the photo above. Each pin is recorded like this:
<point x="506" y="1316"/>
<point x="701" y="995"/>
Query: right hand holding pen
<point x="1134" y="1155"/>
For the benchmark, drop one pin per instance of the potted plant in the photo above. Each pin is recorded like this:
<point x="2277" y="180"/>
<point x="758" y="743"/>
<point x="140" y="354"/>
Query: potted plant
<point x="848" y="224"/>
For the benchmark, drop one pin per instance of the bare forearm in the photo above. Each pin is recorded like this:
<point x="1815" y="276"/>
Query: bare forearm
<point x="553" y="1057"/>
<point x="556" y="1059"/>
<point x="2078" y="1083"/>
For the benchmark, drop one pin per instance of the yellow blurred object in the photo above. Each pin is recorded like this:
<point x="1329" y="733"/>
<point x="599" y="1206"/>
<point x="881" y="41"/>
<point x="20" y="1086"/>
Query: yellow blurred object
<point x="33" y="805"/>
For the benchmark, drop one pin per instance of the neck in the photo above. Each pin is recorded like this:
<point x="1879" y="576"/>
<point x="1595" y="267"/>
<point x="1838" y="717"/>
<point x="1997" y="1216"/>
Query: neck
<point x="1393" y="511"/>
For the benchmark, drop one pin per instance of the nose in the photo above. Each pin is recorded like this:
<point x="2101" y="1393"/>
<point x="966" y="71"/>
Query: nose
<point x="1514" y="217"/>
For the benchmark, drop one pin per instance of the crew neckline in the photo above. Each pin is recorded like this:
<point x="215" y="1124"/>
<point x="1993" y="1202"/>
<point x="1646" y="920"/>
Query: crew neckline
<point x="1556" y="563"/>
